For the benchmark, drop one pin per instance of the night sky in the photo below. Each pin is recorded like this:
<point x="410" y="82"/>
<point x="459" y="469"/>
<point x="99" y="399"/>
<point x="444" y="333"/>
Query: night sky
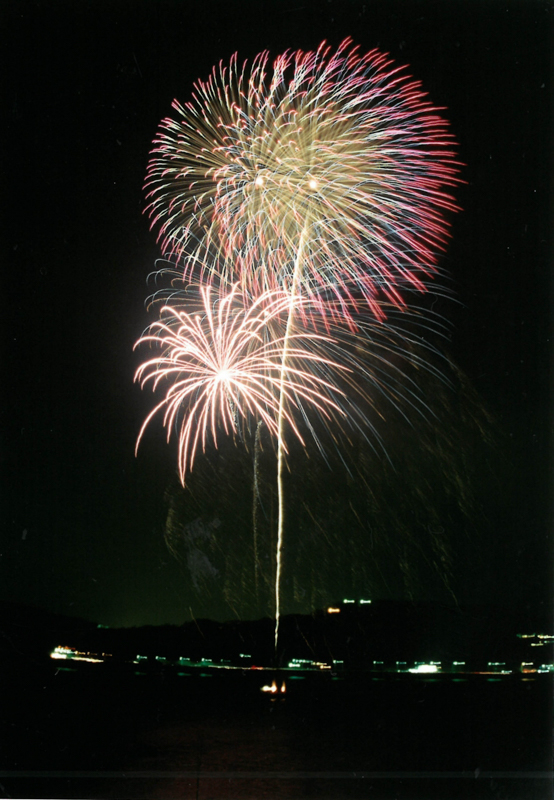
<point x="85" y="523"/>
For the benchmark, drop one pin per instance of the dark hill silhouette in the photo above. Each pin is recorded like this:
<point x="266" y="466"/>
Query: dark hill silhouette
<point x="385" y="630"/>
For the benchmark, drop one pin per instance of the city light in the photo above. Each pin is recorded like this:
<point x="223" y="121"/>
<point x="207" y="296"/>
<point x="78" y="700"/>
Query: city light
<point x="424" y="668"/>
<point x="77" y="655"/>
<point x="528" y="666"/>
<point x="61" y="652"/>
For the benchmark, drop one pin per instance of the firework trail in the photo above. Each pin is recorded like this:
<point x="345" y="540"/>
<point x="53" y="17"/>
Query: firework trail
<point x="223" y="363"/>
<point x="326" y="175"/>
<point x="255" y="503"/>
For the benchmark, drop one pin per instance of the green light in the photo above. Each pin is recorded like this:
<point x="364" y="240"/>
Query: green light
<point x="348" y="601"/>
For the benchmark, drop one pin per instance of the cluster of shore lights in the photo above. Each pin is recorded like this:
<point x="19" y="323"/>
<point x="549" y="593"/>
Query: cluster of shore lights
<point x="78" y="655"/>
<point x="496" y="668"/>
<point x="529" y="666"/>
<point x="305" y="663"/>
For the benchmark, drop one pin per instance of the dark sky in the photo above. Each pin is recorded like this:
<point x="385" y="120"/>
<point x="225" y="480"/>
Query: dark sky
<point x="86" y="85"/>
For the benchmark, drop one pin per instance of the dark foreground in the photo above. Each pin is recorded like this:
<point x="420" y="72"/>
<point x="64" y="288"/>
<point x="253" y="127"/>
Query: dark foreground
<point x="92" y="732"/>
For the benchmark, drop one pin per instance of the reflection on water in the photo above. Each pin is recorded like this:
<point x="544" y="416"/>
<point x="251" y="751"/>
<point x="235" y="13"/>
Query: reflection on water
<point x="275" y="734"/>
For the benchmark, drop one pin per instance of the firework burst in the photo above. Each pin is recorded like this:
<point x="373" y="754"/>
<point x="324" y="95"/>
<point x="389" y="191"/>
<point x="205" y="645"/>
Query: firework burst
<point x="326" y="174"/>
<point x="222" y="362"/>
<point x="324" y="179"/>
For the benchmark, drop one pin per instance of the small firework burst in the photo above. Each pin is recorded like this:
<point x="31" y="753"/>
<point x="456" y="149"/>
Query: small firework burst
<point x="221" y="361"/>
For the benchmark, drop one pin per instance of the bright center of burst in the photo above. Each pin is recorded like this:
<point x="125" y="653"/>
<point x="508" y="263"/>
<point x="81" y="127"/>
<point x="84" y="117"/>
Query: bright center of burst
<point x="223" y="375"/>
<point x="312" y="184"/>
<point x="259" y="181"/>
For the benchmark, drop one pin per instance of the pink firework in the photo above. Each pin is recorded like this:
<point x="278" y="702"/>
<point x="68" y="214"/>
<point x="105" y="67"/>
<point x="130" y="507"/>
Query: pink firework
<point x="326" y="174"/>
<point x="221" y="361"/>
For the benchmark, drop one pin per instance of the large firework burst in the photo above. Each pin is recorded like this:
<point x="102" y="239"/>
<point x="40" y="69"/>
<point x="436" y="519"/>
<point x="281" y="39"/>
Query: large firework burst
<point x="335" y="160"/>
